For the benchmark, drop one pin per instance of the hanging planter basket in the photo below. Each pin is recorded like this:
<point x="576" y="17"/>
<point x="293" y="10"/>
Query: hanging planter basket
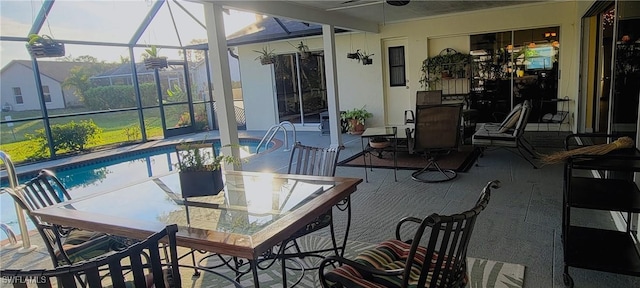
<point x="41" y="50"/>
<point x="367" y="61"/>
<point x="266" y="60"/>
<point x="353" y="55"/>
<point x="155" y="62"/>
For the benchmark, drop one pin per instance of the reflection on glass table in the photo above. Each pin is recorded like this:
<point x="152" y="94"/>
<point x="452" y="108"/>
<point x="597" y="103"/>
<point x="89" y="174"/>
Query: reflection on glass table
<point x="254" y="212"/>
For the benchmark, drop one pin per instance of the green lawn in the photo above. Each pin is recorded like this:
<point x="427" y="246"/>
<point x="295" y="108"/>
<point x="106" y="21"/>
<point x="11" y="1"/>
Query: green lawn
<point x="116" y="128"/>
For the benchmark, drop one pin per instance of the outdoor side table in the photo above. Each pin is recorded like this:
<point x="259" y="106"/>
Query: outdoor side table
<point x="388" y="132"/>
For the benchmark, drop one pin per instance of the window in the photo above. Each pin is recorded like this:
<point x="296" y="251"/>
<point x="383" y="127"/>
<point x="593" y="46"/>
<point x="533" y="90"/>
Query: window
<point x="397" y="75"/>
<point x="17" y="93"/>
<point x="46" y="94"/>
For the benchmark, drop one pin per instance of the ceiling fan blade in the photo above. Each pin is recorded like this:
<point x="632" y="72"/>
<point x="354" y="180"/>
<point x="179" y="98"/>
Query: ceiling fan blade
<point x="398" y="3"/>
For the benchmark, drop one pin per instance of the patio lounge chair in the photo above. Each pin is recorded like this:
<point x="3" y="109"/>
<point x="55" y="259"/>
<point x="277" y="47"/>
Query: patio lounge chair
<point x="66" y="245"/>
<point x="144" y="264"/>
<point x="507" y="134"/>
<point x="401" y="263"/>
<point x="433" y="97"/>
<point x="437" y="131"/>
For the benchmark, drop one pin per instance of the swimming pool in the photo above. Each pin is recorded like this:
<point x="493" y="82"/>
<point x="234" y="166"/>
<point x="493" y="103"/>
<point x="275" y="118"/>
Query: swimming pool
<point x="112" y="172"/>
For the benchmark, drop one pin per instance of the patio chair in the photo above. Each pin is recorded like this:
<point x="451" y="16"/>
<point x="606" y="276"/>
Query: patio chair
<point x="309" y="160"/>
<point x="508" y="134"/>
<point x="401" y="263"/>
<point x="437" y="132"/>
<point x="66" y="245"/>
<point x="143" y="263"/>
<point x="433" y="97"/>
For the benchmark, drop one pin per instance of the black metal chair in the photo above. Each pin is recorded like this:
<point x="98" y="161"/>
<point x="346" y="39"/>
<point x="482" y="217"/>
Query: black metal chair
<point x="142" y="262"/>
<point x="437" y="131"/>
<point x="401" y="263"/>
<point x="66" y="245"/>
<point x="309" y="160"/>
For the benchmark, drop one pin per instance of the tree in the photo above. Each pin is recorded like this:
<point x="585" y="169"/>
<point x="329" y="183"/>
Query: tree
<point x="83" y="58"/>
<point x="79" y="75"/>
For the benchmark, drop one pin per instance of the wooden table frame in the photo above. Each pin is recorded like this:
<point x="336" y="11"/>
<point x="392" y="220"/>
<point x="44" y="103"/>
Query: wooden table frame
<point x="244" y="246"/>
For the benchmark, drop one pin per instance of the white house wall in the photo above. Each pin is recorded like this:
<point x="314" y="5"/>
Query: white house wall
<point x="258" y="91"/>
<point x="360" y="85"/>
<point x="20" y="76"/>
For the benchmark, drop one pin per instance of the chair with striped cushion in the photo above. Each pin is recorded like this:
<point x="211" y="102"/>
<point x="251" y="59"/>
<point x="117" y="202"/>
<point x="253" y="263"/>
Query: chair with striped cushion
<point x="66" y="245"/>
<point x="139" y="265"/>
<point x="398" y="263"/>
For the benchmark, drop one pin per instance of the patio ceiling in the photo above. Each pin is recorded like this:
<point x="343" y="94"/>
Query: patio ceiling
<point x="363" y="15"/>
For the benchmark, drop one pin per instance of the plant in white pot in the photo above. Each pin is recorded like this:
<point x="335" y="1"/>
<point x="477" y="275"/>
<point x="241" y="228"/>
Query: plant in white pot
<point x="200" y="169"/>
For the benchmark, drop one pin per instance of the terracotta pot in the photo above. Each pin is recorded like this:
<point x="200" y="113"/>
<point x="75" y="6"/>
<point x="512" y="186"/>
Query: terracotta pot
<point x="379" y="144"/>
<point x="356" y="129"/>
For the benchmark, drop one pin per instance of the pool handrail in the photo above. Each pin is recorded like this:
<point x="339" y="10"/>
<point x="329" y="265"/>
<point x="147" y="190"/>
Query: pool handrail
<point x="272" y="132"/>
<point x="13" y="183"/>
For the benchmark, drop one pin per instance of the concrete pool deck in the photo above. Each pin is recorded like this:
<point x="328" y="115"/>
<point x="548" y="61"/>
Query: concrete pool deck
<point x="522" y="223"/>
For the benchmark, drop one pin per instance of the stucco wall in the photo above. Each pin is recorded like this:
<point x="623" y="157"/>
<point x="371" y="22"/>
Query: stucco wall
<point x="360" y="85"/>
<point x="20" y="76"/>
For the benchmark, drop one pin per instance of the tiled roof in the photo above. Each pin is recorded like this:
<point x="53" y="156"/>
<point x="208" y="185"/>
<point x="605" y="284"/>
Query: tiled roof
<point x="125" y="69"/>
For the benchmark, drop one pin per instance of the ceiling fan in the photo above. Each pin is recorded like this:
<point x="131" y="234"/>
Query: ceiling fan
<point x="356" y="5"/>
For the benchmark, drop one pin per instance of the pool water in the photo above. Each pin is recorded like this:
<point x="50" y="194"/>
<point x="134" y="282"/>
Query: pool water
<point x="111" y="173"/>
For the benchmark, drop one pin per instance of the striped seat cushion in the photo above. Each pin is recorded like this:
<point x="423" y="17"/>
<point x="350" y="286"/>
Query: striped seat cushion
<point x="388" y="255"/>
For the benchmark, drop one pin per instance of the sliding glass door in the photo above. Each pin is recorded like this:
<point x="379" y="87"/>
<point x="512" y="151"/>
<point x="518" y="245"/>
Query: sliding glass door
<point x="301" y="88"/>
<point x="512" y="66"/>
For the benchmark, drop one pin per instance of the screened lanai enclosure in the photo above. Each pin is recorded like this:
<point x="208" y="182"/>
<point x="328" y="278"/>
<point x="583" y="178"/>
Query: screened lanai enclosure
<point x="112" y="72"/>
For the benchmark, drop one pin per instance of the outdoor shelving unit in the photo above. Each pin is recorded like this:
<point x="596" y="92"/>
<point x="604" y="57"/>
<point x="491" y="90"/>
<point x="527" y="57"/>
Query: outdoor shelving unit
<point x="597" y="248"/>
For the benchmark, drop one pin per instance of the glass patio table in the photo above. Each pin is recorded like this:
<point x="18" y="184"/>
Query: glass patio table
<point x="254" y="212"/>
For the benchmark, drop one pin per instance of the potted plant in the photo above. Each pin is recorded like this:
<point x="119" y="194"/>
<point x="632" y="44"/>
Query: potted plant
<point x="303" y="50"/>
<point x="356" y="118"/>
<point x="152" y="60"/>
<point x="366" y="58"/>
<point x="44" y="46"/>
<point x="448" y="64"/>
<point x="266" y="56"/>
<point x="199" y="169"/>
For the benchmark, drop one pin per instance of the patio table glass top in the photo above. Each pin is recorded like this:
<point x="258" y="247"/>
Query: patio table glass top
<point x="253" y="212"/>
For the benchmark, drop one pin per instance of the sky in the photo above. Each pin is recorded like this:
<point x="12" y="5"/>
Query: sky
<point x="113" y="21"/>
